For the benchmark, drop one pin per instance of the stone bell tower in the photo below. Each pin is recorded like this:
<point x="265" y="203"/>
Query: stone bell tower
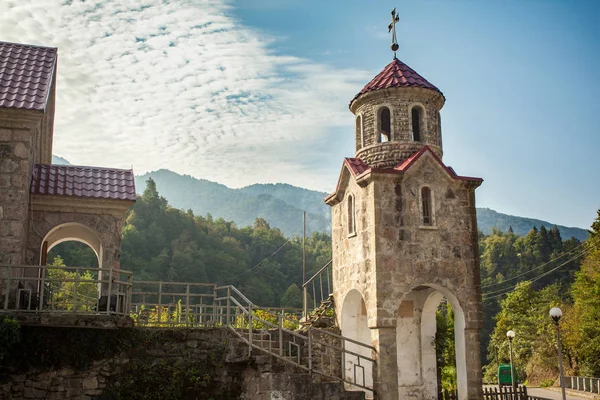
<point x="404" y="237"/>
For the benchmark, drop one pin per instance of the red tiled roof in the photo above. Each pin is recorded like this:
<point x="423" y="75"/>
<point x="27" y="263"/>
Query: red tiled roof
<point x="356" y="165"/>
<point x="397" y="74"/>
<point x="25" y="75"/>
<point x="93" y="182"/>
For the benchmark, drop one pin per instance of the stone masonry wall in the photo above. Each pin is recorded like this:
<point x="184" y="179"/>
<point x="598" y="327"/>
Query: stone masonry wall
<point x="18" y="149"/>
<point x="400" y="104"/>
<point x="145" y="355"/>
<point x="353" y="255"/>
<point x="393" y="253"/>
<point x="153" y="364"/>
<point x="443" y="255"/>
<point x="106" y="223"/>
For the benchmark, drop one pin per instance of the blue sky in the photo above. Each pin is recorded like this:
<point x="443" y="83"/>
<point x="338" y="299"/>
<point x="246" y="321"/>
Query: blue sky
<point x="257" y="90"/>
<point x="519" y="78"/>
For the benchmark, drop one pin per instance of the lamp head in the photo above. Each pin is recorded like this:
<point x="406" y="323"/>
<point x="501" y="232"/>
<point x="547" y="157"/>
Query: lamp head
<point x="555" y="314"/>
<point x="510" y="334"/>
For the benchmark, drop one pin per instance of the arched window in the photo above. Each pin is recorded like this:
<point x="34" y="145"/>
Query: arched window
<point x="359" y="133"/>
<point x="385" y="125"/>
<point x="351" y="222"/>
<point x="417" y="122"/>
<point x="426" y="205"/>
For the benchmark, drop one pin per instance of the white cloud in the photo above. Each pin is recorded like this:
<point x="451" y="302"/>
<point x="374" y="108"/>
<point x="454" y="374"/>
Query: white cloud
<point x="182" y="85"/>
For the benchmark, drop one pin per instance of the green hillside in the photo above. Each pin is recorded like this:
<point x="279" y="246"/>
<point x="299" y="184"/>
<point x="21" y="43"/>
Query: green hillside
<point x="241" y="206"/>
<point x="282" y="205"/>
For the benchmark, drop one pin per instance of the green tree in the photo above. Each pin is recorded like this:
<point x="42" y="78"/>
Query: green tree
<point x="525" y="311"/>
<point x="292" y="297"/>
<point x="69" y="289"/>
<point x="583" y="323"/>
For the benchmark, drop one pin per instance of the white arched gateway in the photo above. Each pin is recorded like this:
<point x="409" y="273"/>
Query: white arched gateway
<point x="416" y="333"/>
<point x="354" y="326"/>
<point x="71" y="231"/>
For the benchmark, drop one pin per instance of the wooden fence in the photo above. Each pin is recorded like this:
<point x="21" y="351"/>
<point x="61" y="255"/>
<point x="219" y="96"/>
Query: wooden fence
<point x="502" y="393"/>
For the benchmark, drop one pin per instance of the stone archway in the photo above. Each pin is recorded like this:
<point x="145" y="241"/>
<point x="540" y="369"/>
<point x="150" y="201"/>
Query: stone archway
<point x="416" y="333"/>
<point x="354" y="326"/>
<point x="72" y="231"/>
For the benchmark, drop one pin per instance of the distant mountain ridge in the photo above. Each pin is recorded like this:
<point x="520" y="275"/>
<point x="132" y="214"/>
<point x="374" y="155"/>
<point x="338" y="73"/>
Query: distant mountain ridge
<point x="281" y="205"/>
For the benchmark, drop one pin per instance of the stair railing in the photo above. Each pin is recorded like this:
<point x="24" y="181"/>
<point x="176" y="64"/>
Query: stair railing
<point x="320" y="286"/>
<point x="315" y="350"/>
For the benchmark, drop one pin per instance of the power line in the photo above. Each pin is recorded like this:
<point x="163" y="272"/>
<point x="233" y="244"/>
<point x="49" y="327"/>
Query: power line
<point x="262" y="261"/>
<point x="536" y="268"/>
<point x="508" y="290"/>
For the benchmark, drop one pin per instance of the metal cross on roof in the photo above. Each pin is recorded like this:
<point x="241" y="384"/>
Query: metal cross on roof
<point x="392" y="28"/>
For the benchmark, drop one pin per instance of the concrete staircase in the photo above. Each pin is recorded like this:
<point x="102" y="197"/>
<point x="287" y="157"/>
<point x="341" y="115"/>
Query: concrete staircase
<point x="318" y="317"/>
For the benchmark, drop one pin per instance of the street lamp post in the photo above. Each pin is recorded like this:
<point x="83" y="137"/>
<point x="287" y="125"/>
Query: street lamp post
<point x="555" y="314"/>
<point x="510" y="335"/>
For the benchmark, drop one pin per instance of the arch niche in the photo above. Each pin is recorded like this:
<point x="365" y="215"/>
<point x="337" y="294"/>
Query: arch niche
<point x="71" y="231"/>
<point x="416" y="332"/>
<point x="354" y="326"/>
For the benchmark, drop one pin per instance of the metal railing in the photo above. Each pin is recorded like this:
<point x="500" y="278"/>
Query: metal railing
<point x="48" y="289"/>
<point x="583" y="383"/>
<point x="320" y="286"/>
<point x="171" y="304"/>
<point x="180" y="304"/>
<point x="315" y="350"/>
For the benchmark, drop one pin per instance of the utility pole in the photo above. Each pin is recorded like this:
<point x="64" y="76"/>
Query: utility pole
<point x="304" y="289"/>
<point x="556" y="314"/>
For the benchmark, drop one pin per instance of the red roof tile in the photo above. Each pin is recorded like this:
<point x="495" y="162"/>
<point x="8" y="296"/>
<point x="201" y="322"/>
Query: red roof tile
<point x="397" y="74"/>
<point x="25" y="75"/>
<point x="356" y="165"/>
<point x="94" y="182"/>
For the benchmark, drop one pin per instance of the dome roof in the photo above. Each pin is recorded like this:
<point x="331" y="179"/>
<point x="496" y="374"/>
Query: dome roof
<point x="397" y="74"/>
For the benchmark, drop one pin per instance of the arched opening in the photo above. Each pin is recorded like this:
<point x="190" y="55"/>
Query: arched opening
<point x="431" y="343"/>
<point x="351" y="219"/>
<point x="71" y="277"/>
<point x="354" y="326"/>
<point x="71" y="254"/>
<point x="417" y="114"/>
<point x="426" y="209"/>
<point x="360" y="140"/>
<point x="71" y="231"/>
<point x="385" y="124"/>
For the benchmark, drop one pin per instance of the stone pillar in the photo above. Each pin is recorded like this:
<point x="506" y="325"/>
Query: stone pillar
<point x="385" y="374"/>
<point x="473" y="361"/>
<point x="15" y="172"/>
<point x="408" y="343"/>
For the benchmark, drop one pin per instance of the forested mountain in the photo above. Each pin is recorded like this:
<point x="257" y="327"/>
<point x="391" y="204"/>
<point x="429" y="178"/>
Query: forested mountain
<point x="164" y="243"/>
<point x="488" y="219"/>
<point x="281" y="205"/>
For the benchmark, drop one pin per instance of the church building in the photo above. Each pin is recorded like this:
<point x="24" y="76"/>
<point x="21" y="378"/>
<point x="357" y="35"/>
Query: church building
<point x="404" y="235"/>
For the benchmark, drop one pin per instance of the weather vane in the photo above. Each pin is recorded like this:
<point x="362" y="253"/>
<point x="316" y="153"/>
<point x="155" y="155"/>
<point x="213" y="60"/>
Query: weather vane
<point x="392" y="28"/>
